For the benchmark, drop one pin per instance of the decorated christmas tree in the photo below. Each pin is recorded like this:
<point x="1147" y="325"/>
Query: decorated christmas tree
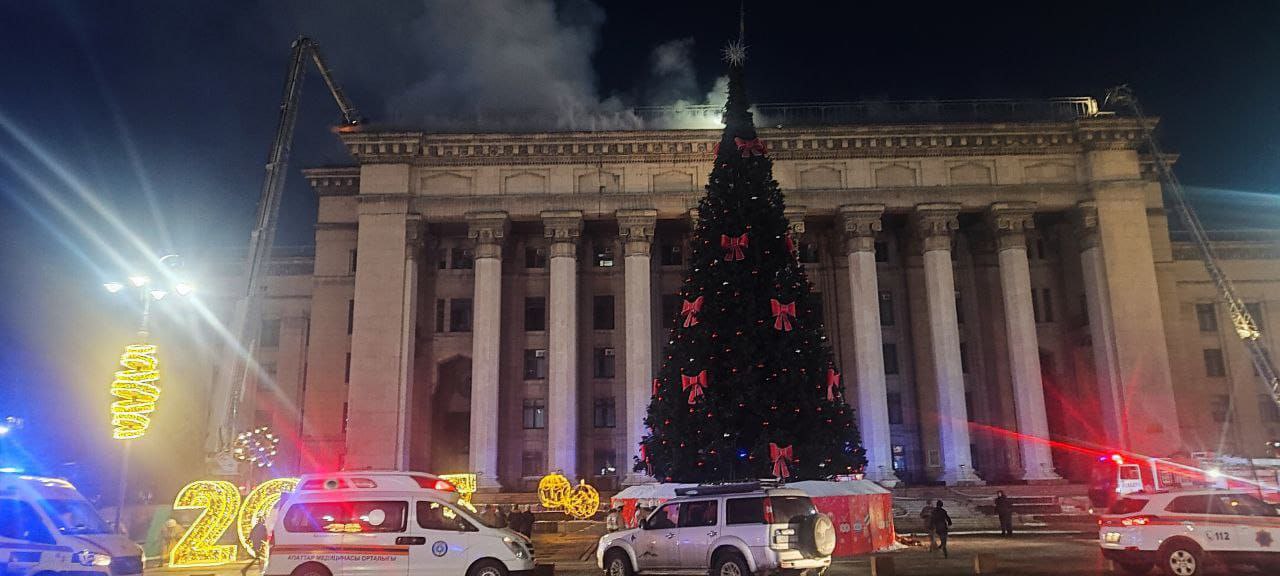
<point x="747" y="388"/>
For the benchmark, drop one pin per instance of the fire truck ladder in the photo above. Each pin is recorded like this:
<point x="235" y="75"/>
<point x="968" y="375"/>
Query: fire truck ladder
<point x="244" y="326"/>
<point x="1246" y="328"/>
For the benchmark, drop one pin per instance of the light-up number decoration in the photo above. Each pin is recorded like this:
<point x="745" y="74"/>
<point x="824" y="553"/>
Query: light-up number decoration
<point x="257" y="506"/>
<point x="464" y="483"/>
<point x="198" y="546"/>
<point x="552" y="490"/>
<point x="221" y="503"/>
<point x="136" y="391"/>
<point x="556" y="493"/>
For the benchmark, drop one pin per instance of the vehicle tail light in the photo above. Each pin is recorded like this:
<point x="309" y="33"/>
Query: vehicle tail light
<point x="431" y="483"/>
<point x="1137" y="520"/>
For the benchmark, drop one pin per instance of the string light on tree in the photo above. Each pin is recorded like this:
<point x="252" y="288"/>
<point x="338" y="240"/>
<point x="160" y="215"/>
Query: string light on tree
<point x="257" y="447"/>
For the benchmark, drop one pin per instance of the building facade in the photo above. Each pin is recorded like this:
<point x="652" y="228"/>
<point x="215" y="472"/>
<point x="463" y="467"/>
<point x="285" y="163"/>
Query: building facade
<point x="998" y="293"/>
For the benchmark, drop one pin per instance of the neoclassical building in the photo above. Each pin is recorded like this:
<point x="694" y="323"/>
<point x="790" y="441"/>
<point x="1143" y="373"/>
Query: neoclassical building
<point x="998" y="281"/>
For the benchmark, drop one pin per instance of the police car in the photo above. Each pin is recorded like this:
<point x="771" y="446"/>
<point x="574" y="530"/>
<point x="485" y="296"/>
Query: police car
<point x="47" y="527"/>
<point x="1180" y="532"/>
<point x="388" y="523"/>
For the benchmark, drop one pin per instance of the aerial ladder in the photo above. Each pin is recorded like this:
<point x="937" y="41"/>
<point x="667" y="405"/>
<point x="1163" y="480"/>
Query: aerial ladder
<point x="245" y="324"/>
<point x="1245" y="326"/>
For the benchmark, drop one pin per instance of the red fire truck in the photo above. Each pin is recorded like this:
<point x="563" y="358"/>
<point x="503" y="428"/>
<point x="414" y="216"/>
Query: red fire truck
<point x="1118" y="474"/>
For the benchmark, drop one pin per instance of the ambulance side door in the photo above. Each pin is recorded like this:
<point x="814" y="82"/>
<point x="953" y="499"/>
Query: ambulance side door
<point x="441" y="538"/>
<point x="376" y="544"/>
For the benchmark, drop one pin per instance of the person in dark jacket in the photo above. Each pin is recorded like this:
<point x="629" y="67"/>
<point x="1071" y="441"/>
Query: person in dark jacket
<point x="1004" y="509"/>
<point x="941" y="522"/>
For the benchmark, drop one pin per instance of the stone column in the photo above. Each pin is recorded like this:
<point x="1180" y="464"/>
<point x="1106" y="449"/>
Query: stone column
<point x="1101" y="333"/>
<point x="291" y="366"/>
<point x="488" y="229"/>
<point x="934" y="224"/>
<point x="563" y="228"/>
<point x="636" y="229"/>
<point x="1010" y="221"/>
<point x="860" y="223"/>
<point x="383" y="326"/>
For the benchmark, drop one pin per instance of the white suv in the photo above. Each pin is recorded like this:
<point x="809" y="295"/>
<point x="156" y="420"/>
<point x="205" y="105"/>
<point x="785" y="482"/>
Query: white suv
<point x="1181" y="531"/>
<point x="724" y="530"/>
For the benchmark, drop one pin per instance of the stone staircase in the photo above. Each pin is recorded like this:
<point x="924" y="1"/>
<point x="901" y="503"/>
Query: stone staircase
<point x="1035" y="507"/>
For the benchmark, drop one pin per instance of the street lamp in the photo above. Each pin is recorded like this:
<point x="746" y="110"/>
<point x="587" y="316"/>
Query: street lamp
<point x="136" y="387"/>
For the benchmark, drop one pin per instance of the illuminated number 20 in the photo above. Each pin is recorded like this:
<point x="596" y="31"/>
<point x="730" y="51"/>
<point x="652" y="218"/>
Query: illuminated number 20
<point x="257" y="506"/>
<point x="198" y="546"/>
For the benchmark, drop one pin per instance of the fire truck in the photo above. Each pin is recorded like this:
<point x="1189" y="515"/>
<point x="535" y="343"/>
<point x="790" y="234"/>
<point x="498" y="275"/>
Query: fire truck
<point x="1115" y="475"/>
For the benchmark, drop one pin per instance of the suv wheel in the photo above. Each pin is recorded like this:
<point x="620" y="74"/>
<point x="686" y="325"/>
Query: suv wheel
<point x="730" y="564"/>
<point x="1181" y="558"/>
<point x="616" y="563"/>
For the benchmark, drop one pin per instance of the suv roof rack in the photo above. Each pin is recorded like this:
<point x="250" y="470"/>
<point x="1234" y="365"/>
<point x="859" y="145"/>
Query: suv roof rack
<point x="735" y="487"/>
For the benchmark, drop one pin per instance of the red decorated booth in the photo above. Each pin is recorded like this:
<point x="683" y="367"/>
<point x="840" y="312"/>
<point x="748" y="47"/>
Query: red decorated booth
<point x="861" y="510"/>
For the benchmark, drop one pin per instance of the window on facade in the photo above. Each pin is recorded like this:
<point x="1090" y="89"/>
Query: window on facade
<point x="1268" y="408"/>
<point x="1214" y="364"/>
<point x="269" y="337"/>
<point x="672" y="254"/>
<point x="605" y="459"/>
<point x="670" y="307"/>
<point x="462" y="258"/>
<point x="894" y="399"/>
<point x="352" y="267"/>
<point x="886" y="308"/>
<point x="603" y="257"/>
<point x="882" y="251"/>
<point x="351" y="316"/>
<point x="890" y="358"/>
<point x="531" y="464"/>
<point x="535" y="364"/>
<point x="535" y="413"/>
<point x="808" y="252"/>
<point x="604" y="413"/>
<point x="602" y="312"/>
<point x="1207" y="317"/>
<point x="346" y="373"/>
<point x="460" y="315"/>
<point x="535" y="257"/>
<point x="1219" y="405"/>
<point x="535" y="314"/>
<point x="439" y="315"/>
<point x="604" y="362"/>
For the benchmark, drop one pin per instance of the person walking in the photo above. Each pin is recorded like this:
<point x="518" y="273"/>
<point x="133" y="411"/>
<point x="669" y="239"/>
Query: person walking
<point x="171" y="534"/>
<point x="926" y="516"/>
<point x="257" y="539"/>
<point x="1004" y="509"/>
<point x="941" y="522"/>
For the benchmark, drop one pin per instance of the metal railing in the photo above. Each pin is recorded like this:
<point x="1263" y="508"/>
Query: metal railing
<point x="879" y="112"/>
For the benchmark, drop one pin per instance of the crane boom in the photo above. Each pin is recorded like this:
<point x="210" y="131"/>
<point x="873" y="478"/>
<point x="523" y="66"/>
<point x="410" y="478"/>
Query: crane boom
<point x="1245" y="326"/>
<point x="230" y="385"/>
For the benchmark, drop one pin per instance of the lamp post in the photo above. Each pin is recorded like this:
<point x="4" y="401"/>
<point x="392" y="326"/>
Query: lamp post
<point x="137" y="388"/>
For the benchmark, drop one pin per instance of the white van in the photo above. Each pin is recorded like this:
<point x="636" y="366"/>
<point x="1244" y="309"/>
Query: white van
<point x="47" y="527"/>
<point x="389" y="524"/>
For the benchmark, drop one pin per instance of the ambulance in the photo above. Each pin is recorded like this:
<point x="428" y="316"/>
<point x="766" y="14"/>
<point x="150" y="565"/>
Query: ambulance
<point x="388" y="523"/>
<point x="47" y="527"/>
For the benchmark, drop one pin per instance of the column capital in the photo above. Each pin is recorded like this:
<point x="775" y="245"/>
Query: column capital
<point x="488" y="229"/>
<point x="415" y="233"/>
<point x="1084" y="220"/>
<point x="934" y="223"/>
<point x="795" y="219"/>
<point x="562" y="228"/>
<point x="693" y="217"/>
<point x="635" y="226"/>
<point x="1009" y="222"/>
<point x="859" y="224"/>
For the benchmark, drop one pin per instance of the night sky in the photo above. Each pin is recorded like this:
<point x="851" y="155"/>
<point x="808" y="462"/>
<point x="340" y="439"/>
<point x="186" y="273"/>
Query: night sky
<point x="159" y="113"/>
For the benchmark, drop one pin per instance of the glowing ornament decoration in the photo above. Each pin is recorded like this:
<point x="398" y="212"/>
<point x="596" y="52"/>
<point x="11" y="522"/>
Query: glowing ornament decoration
<point x="582" y="502"/>
<point x="198" y="546"/>
<point x="136" y="391"/>
<point x="258" y="506"/>
<point x="464" y="483"/>
<point x="258" y="447"/>
<point x="552" y="490"/>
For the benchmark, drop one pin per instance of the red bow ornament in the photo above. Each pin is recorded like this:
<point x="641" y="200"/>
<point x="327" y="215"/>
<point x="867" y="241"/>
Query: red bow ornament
<point x="690" y="311"/>
<point x="833" y="382"/>
<point x="733" y="247"/>
<point x="781" y="457"/>
<point x="695" y="385"/>
<point x="783" y="314"/>
<point x="749" y="148"/>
